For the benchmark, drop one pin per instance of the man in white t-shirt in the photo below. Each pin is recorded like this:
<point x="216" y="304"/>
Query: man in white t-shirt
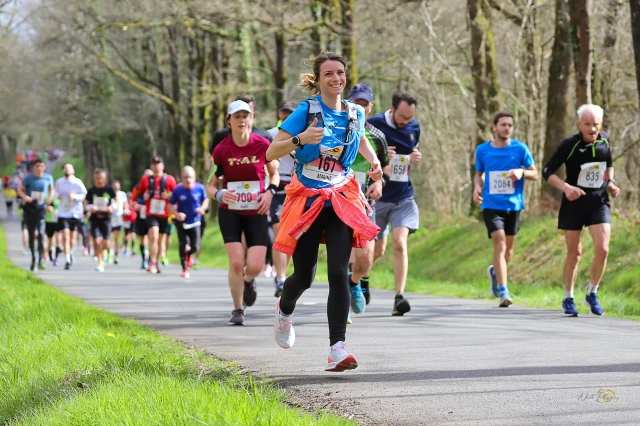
<point x="117" y="220"/>
<point x="71" y="192"/>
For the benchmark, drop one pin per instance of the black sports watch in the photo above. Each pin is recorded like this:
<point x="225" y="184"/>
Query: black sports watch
<point x="295" y="140"/>
<point x="612" y="181"/>
<point x="273" y="189"/>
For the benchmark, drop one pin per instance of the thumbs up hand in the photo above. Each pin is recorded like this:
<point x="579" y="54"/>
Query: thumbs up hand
<point x="313" y="135"/>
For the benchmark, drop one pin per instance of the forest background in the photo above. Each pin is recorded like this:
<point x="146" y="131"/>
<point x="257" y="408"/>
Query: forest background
<point x="117" y="81"/>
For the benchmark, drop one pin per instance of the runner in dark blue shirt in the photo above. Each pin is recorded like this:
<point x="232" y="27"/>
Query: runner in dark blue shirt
<point x="188" y="203"/>
<point x="397" y="207"/>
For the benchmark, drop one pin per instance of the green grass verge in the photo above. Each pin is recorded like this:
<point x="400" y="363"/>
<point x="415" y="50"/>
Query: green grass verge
<point x="64" y="362"/>
<point x="450" y="258"/>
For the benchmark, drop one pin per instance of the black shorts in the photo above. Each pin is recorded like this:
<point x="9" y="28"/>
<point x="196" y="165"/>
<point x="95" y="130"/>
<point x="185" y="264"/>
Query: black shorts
<point x="494" y="220"/>
<point x="276" y="208"/>
<point x="131" y="229"/>
<point x="162" y="223"/>
<point x="9" y="204"/>
<point x="116" y="228"/>
<point x="70" y="223"/>
<point x="101" y="228"/>
<point x="23" y="225"/>
<point x="50" y="229"/>
<point x="254" y="227"/>
<point x="141" y="227"/>
<point x="585" y="211"/>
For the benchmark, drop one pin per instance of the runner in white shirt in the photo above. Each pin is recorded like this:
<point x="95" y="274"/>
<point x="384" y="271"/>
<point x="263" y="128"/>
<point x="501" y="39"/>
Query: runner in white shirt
<point x="117" y="220"/>
<point x="71" y="192"/>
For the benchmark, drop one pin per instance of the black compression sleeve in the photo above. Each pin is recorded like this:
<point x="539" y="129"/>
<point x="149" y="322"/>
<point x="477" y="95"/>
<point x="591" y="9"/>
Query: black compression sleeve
<point x="557" y="160"/>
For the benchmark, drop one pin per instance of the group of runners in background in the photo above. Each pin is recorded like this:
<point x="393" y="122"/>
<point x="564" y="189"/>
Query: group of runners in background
<point x="328" y="173"/>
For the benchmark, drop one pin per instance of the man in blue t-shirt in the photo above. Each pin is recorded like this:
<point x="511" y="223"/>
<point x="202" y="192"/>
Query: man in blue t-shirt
<point x="188" y="203"/>
<point x="501" y="165"/>
<point x="37" y="192"/>
<point x="397" y="207"/>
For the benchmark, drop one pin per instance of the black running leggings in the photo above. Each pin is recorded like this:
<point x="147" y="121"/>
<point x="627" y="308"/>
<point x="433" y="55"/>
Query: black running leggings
<point x="35" y="221"/>
<point x="189" y="236"/>
<point x="338" y="237"/>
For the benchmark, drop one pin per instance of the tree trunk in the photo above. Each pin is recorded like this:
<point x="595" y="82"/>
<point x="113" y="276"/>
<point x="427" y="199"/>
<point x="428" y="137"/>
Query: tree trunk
<point x="478" y="68"/>
<point x="635" y="31"/>
<point x="94" y="157"/>
<point x="282" y="73"/>
<point x="349" y="40"/>
<point x="557" y="125"/>
<point x="582" y="45"/>
<point x="532" y="62"/>
<point x="607" y="62"/>
<point x="319" y="11"/>
<point x="244" y="49"/>
<point x="491" y="60"/>
<point x="176" y="146"/>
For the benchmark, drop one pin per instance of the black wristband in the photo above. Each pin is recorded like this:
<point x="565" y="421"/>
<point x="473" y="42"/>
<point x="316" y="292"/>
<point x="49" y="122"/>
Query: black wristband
<point x="272" y="186"/>
<point x="385" y="179"/>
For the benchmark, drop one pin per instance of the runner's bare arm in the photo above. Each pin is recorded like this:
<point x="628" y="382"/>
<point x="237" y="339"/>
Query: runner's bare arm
<point x="22" y="195"/>
<point x="478" y="185"/>
<point x="274" y="175"/>
<point x="530" y="174"/>
<point x="367" y="152"/>
<point x="205" y="204"/>
<point x="282" y="144"/>
<point x="227" y="197"/>
<point x="266" y="197"/>
<point x="51" y="195"/>
<point x="615" y="191"/>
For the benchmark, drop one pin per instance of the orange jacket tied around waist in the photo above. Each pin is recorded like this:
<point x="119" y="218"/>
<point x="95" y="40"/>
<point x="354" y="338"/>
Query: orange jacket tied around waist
<point x="345" y="199"/>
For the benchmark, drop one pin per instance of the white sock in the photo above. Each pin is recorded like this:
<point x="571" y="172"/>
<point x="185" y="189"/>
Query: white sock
<point x="592" y="289"/>
<point x="68" y="256"/>
<point x="284" y="315"/>
<point x="568" y="294"/>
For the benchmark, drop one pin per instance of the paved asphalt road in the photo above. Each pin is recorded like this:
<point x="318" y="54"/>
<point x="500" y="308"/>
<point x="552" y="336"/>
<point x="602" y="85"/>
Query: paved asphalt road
<point x="449" y="361"/>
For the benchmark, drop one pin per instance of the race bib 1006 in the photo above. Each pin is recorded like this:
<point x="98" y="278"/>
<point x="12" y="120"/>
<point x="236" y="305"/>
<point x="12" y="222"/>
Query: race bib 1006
<point x="247" y="192"/>
<point x="400" y="168"/>
<point x="500" y="183"/>
<point x="327" y="167"/>
<point x="592" y="175"/>
<point x="157" y="206"/>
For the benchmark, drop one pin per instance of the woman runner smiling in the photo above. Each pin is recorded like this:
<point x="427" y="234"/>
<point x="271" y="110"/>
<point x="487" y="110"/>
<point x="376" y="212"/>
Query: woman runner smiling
<point x="324" y="202"/>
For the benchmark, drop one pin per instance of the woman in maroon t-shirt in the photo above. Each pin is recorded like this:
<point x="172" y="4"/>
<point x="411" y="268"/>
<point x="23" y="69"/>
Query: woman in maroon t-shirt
<point x="243" y="204"/>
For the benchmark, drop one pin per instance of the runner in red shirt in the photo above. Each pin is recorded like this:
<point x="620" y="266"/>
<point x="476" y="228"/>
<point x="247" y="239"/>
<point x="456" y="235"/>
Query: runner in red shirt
<point x="244" y="203"/>
<point x="155" y="191"/>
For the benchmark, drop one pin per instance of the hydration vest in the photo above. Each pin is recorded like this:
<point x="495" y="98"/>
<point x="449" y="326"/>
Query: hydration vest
<point x="315" y="111"/>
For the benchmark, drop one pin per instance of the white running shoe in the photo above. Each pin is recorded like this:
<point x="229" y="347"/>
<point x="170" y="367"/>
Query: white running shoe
<point x="283" y="329"/>
<point x="340" y="359"/>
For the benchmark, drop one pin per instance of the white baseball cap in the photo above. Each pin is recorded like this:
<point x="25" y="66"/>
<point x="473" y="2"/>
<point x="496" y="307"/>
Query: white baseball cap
<point x="236" y="106"/>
